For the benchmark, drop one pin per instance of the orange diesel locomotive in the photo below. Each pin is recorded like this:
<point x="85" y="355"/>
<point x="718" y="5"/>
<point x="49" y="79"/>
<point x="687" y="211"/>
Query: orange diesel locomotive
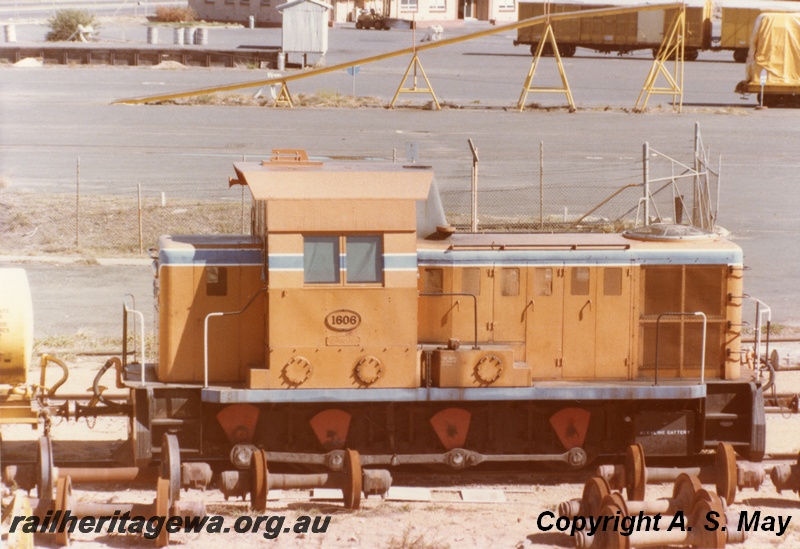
<point x="354" y="317"/>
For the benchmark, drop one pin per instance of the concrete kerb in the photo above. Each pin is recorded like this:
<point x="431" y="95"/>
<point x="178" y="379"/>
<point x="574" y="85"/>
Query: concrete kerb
<point x="70" y="259"/>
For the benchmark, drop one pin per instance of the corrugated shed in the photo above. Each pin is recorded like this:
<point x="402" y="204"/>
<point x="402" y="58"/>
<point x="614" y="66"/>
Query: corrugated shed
<point x="305" y="26"/>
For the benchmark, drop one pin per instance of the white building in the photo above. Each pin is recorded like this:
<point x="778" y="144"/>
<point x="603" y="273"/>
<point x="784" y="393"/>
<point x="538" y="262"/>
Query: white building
<point x="266" y="14"/>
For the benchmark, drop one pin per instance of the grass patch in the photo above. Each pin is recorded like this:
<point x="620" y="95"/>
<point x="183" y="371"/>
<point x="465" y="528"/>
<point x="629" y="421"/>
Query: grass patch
<point x="175" y="14"/>
<point x="320" y="99"/>
<point x="332" y="98"/>
<point x="775" y="329"/>
<point x="82" y="341"/>
<point x="86" y="341"/>
<point x="108" y="225"/>
<point x="64" y="24"/>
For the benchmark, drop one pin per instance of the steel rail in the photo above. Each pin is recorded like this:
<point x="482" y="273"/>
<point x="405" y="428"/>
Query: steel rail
<point x="538" y="20"/>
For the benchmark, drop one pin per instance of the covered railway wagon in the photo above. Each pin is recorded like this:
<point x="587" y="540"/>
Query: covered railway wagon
<point x="725" y="25"/>
<point x="354" y="317"/>
<point x="614" y="33"/>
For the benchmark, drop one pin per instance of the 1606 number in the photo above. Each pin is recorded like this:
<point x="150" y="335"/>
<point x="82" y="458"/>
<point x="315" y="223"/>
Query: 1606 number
<point x="342" y="320"/>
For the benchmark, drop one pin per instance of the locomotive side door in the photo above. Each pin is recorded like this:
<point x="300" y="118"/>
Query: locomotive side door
<point x="613" y="334"/>
<point x="476" y="283"/>
<point x="544" y="313"/>
<point x="499" y="294"/>
<point x="580" y="318"/>
<point x="509" y="310"/>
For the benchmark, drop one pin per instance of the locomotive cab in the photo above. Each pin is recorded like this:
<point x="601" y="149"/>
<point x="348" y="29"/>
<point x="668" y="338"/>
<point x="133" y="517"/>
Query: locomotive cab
<point x="341" y="272"/>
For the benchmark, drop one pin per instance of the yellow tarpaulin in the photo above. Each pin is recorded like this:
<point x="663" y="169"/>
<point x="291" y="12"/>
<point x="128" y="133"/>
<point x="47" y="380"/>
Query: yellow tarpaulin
<point x="775" y="46"/>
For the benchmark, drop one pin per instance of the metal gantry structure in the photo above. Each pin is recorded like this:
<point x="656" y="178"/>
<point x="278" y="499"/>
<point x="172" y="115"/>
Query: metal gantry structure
<point x="672" y="48"/>
<point x="548" y="37"/>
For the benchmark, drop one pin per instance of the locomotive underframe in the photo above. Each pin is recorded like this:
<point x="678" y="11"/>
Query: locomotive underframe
<point x="395" y="427"/>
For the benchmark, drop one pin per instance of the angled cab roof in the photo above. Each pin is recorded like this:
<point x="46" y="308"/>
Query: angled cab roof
<point x="333" y="180"/>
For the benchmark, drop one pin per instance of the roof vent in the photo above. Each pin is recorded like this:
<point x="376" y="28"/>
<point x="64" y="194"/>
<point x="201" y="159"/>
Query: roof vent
<point x="289" y="157"/>
<point x="668" y="231"/>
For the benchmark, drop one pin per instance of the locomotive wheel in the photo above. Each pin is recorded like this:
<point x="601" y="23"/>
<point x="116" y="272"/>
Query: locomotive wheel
<point x="617" y="499"/>
<point x="706" y="502"/>
<point x="359" y="25"/>
<point x="594" y="492"/>
<point x="547" y="51"/>
<point x="635" y="473"/>
<point x="163" y="505"/>
<point x="726" y="472"/>
<point x="259" y="481"/>
<point x="62" y="503"/>
<point x="611" y="538"/>
<point x="684" y="491"/>
<point x="352" y="480"/>
<point x="44" y="469"/>
<point x="171" y="465"/>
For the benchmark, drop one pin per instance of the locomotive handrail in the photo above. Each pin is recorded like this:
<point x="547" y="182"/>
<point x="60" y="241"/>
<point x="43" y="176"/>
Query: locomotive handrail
<point x="125" y="336"/>
<point x="703" y="347"/>
<point x="205" y="332"/>
<point x="125" y="331"/>
<point x="757" y="339"/>
<point x="475" y="308"/>
<point x="495" y="246"/>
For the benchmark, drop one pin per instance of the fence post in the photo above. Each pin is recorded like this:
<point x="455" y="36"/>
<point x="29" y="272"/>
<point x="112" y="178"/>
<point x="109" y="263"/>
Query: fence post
<point x="541" y="185"/>
<point x="697" y="220"/>
<point x="474" y="217"/>
<point x="139" y="208"/>
<point x="244" y="159"/>
<point x="646" y="182"/>
<point x="78" y="204"/>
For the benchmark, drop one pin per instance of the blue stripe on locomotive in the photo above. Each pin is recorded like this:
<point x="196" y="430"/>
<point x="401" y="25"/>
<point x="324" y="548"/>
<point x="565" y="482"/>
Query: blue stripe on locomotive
<point x="200" y="256"/>
<point x="670" y="256"/>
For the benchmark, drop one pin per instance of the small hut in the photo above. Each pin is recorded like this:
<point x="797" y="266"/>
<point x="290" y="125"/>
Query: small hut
<point x="305" y="27"/>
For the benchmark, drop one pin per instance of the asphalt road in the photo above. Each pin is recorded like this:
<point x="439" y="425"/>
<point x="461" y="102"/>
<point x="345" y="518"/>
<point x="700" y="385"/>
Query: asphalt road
<point x="51" y="115"/>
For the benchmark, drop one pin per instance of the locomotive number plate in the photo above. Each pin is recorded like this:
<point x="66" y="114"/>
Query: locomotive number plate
<point x="343" y="320"/>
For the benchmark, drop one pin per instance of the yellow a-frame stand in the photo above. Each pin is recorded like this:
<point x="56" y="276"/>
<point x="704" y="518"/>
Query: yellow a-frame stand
<point x="672" y="48"/>
<point x="547" y="37"/>
<point x="284" y="98"/>
<point x="415" y="64"/>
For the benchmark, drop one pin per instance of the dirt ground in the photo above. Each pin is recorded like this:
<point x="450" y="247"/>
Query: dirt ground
<point x="450" y="517"/>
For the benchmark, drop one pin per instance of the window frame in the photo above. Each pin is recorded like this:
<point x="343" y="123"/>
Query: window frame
<point x="409" y="6"/>
<point x="377" y="259"/>
<point x="341" y="261"/>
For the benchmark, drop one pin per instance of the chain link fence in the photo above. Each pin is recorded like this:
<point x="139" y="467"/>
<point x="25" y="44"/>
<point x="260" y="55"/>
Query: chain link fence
<point x="125" y="213"/>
